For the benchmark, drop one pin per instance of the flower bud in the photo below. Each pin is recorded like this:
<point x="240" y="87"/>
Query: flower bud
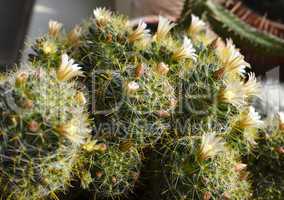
<point x="33" y="126"/>
<point x="162" y="68"/>
<point x="140" y="69"/>
<point x="240" y="167"/>
<point x="21" y="79"/>
<point x="280" y="150"/>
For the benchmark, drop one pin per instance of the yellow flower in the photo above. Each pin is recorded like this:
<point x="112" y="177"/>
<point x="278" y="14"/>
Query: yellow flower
<point x="233" y="63"/>
<point x="250" y="135"/>
<point x="233" y="94"/>
<point x="196" y="26"/>
<point x="140" y="33"/>
<point x="102" y="16"/>
<point x="68" y="69"/>
<point x="164" y="28"/>
<point x="207" y="38"/>
<point x="249" y="118"/>
<point x="54" y="28"/>
<point x="252" y="87"/>
<point x="210" y="146"/>
<point x="74" y="35"/>
<point x="21" y="79"/>
<point x="185" y="51"/>
<point x="71" y="132"/>
<point x="49" y="47"/>
<point x="80" y="98"/>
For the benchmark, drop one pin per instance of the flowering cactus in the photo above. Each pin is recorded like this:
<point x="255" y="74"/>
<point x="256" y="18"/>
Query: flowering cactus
<point x="180" y="96"/>
<point x="42" y="129"/>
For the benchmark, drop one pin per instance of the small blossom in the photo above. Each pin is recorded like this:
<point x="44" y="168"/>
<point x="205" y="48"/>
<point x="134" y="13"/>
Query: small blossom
<point x="132" y="87"/>
<point x="162" y="68"/>
<point x="211" y="145"/>
<point x="164" y="28"/>
<point x="28" y="104"/>
<point x="71" y="132"/>
<point x="80" y="98"/>
<point x="250" y="135"/>
<point x="140" y="33"/>
<point x="54" y="28"/>
<point x="252" y="87"/>
<point x="68" y="69"/>
<point x="74" y="35"/>
<point x="49" y="48"/>
<point x="281" y="120"/>
<point x="163" y="114"/>
<point x="196" y="26"/>
<point x="207" y="38"/>
<point x="240" y="167"/>
<point x="90" y="145"/>
<point x="21" y="79"/>
<point x="233" y="63"/>
<point x="102" y="16"/>
<point x="250" y="119"/>
<point x="185" y="51"/>
<point x="233" y="94"/>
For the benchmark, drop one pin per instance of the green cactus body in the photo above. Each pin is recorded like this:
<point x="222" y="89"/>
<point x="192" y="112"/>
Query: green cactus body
<point x="42" y="128"/>
<point x="190" y="178"/>
<point x="148" y="93"/>
<point x="266" y="166"/>
<point x="262" y="39"/>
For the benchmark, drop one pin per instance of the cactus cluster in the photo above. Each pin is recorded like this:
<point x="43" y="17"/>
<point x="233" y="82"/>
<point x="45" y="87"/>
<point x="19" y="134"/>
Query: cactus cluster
<point x="170" y="112"/>
<point x="42" y="128"/>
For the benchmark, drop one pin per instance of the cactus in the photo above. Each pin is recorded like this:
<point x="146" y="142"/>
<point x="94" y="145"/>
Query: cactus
<point x="191" y="174"/>
<point x="42" y="128"/>
<point x="179" y="96"/>
<point x="256" y="35"/>
<point x="266" y="161"/>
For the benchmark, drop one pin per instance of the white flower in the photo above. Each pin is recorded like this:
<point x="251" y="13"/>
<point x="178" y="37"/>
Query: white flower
<point x="233" y="63"/>
<point x="102" y="15"/>
<point x="233" y="94"/>
<point x="132" y="87"/>
<point x="54" y="28"/>
<point x="281" y="120"/>
<point x="185" y="51"/>
<point x="140" y="33"/>
<point x="71" y="132"/>
<point x="162" y="68"/>
<point x="196" y="26"/>
<point x="68" y="69"/>
<point x="164" y="27"/>
<point x="250" y="119"/>
<point x="210" y="146"/>
<point x="252" y="87"/>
